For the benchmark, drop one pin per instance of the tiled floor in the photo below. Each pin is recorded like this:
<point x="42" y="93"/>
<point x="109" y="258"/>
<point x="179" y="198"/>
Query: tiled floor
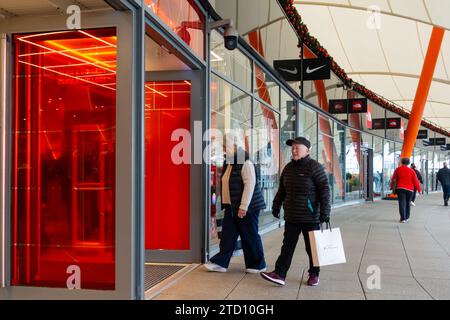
<point x="413" y="260"/>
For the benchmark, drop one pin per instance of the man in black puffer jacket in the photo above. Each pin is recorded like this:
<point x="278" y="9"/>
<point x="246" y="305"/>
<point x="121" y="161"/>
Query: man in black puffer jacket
<point x="305" y="195"/>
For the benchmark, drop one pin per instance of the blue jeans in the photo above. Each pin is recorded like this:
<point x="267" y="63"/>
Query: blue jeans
<point x="247" y="228"/>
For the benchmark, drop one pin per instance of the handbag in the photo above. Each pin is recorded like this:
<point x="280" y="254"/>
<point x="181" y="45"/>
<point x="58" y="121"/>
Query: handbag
<point x="327" y="247"/>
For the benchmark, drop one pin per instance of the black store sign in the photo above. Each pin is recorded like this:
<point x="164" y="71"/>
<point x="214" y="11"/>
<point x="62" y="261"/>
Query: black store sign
<point x="338" y="106"/>
<point x="386" y="123"/>
<point x="313" y="69"/>
<point x="378" y="124"/>
<point x="422" y="134"/>
<point x="357" y="105"/>
<point x="347" y="106"/>
<point x="393" y="123"/>
<point x="289" y="69"/>
<point x="316" y="69"/>
<point x="436" y="142"/>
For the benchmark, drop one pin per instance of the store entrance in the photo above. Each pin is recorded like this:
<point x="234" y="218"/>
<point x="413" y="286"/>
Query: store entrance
<point x="173" y="209"/>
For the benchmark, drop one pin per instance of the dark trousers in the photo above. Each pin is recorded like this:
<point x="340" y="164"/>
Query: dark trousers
<point x="446" y="191"/>
<point x="404" y="203"/>
<point x="413" y="199"/>
<point x="291" y="234"/>
<point x="247" y="228"/>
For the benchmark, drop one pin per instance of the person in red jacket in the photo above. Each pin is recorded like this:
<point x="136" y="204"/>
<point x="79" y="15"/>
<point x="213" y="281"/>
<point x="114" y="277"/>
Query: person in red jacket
<point x="403" y="183"/>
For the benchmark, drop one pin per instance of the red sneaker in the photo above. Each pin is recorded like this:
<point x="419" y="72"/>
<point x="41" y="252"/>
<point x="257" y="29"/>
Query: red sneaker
<point x="273" y="277"/>
<point x="313" y="280"/>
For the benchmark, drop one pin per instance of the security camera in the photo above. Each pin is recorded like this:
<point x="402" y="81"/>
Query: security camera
<point x="231" y="38"/>
<point x="230" y="35"/>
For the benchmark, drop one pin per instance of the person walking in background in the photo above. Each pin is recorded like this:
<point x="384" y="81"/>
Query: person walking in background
<point x="242" y="200"/>
<point x="305" y="195"/>
<point x="403" y="183"/>
<point x="443" y="176"/>
<point x="419" y="177"/>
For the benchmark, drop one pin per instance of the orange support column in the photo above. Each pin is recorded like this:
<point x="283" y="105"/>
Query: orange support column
<point x="423" y="89"/>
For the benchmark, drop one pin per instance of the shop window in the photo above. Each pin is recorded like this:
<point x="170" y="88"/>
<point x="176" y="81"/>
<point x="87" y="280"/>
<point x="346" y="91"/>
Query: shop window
<point x="233" y="64"/>
<point x="185" y="19"/>
<point x="339" y="163"/>
<point x="307" y="127"/>
<point x="352" y="165"/>
<point x="63" y="159"/>
<point x="266" y="154"/>
<point x="266" y="88"/>
<point x="288" y="112"/>
<point x="230" y="110"/>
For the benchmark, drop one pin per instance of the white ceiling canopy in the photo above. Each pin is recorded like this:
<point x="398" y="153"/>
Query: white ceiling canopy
<point x="382" y="44"/>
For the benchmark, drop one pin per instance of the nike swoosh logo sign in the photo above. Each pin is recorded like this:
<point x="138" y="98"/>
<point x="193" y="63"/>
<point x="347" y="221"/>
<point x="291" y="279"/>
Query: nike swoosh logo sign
<point x="308" y="70"/>
<point x="289" y="70"/>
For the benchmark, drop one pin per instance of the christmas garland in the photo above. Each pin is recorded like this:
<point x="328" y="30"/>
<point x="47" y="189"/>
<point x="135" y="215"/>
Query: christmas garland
<point x="314" y="45"/>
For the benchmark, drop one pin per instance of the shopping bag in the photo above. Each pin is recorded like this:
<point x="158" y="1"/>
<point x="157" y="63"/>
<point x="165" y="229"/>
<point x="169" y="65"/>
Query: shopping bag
<point x="327" y="247"/>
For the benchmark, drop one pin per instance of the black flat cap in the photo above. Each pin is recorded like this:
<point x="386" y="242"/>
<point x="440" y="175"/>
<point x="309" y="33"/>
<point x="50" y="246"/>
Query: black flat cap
<point x="299" y="140"/>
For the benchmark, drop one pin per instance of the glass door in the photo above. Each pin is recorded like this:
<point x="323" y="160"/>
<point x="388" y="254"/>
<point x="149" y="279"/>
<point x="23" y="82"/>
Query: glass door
<point x="173" y="209"/>
<point x="167" y="164"/>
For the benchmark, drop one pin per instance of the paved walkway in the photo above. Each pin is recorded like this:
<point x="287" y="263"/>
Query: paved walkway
<point x="414" y="260"/>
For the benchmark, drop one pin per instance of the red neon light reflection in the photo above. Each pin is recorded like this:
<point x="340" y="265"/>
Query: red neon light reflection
<point x="167" y="185"/>
<point x="185" y="18"/>
<point x="63" y="169"/>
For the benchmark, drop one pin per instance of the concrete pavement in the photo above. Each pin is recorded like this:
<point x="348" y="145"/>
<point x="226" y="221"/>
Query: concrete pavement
<point x="413" y="259"/>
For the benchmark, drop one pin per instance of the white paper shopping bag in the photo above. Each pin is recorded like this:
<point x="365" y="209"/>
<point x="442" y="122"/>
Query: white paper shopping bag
<point x="327" y="247"/>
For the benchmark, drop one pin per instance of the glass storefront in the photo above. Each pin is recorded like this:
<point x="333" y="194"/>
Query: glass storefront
<point x="232" y="64"/>
<point x="431" y="175"/>
<point x="230" y="110"/>
<point x="435" y="170"/>
<point x="266" y="153"/>
<point x="326" y="147"/>
<point x="339" y="163"/>
<point x="185" y="19"/>
<point x="63" y="166"/>
<point x="307" y="127"/>
<point x="389" y="166"/>
<point x="352" y="165"/>
<point x="377" y="167"/>
<point x="288" y="113"/>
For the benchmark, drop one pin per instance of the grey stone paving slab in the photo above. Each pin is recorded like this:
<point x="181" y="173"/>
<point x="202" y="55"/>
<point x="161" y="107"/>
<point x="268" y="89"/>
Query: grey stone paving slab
<point x="384" y="296"/>
<point x="438" y="288"/>
<point x="254" y="287"/>
<point x="330" y="295"/>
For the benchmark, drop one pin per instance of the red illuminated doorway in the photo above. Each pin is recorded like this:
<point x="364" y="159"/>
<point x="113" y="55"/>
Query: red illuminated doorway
<point x="173" y="218"/>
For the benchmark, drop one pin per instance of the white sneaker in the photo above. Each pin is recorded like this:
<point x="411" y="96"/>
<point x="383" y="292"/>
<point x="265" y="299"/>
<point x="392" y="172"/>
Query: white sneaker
<point x="214" y="267"/>
<point x="403" y="221"/>
<point x="413" y="204"/>
<point x="249" y="270"/>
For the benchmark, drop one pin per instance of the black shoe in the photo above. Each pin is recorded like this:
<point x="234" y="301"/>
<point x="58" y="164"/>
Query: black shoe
<point x="446" y="203"/>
